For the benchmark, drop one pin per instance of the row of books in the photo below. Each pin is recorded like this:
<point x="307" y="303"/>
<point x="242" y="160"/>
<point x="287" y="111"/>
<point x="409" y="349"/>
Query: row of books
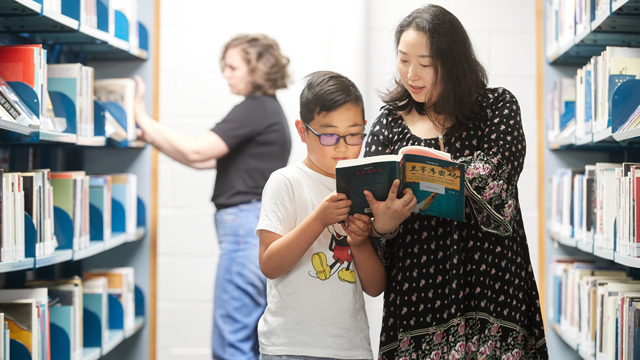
<point x="89" y="14"/>
<point x="582" y="106"/>
<point x="566" y="19"/>
<point x="27" y="64"/>
<point x="30" y="193"/>
<point x="598" y="205"/>
<point x="598" y="306"/>
<point x="37" y="192"/>
<point x="30" y="312"/>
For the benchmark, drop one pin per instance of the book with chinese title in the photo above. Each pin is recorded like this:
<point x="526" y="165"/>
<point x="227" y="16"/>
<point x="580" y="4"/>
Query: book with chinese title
<point x="436" y="180"/>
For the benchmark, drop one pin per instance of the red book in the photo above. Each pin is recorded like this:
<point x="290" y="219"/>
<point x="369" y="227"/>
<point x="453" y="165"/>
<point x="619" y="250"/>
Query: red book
<point x="18" y="63"/>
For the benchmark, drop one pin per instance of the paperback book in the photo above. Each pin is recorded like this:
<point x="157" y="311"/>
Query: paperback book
<point x="436" y="180"/>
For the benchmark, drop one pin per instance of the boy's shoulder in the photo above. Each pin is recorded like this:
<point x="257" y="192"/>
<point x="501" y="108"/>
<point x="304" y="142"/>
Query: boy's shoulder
<point x="299" y="175"/>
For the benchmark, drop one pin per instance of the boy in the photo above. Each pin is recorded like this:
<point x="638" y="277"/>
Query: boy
<point x="315" y="306"/>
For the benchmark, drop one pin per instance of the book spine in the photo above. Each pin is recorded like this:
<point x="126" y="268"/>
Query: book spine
<point x="402" y="176"/>
<point x="7" y="105"/>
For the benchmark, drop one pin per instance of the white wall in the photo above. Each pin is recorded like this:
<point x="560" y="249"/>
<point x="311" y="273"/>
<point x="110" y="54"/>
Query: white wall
<point x="351" y="37"/>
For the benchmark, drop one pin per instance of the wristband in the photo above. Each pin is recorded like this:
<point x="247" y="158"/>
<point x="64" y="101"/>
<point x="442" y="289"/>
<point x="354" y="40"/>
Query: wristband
<point x="382" y="236"/>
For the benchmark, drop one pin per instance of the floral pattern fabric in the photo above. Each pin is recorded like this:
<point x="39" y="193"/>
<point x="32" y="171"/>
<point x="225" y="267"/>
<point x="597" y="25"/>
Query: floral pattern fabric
<point x="463" y="289"/>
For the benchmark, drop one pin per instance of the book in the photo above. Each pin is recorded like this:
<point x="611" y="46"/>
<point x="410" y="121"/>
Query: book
<point x="76" y="82"/>
<point x="26" y="64"/>
<point x="121" y="283"/>
<point x="40" y="296"/>
<point x="100" y="199"/>
<point x="16" y="108"/>
<point x="66" y="308"/>
<point x="124" y="191"/>
<point x="22" y="319"/>
<point x="122" y="92"/>
<point x="96" y="300"/>
<point x="436" y="180"/>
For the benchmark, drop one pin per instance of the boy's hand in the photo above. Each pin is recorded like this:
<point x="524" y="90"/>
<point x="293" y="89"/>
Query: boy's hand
<point x="358" y="228"/>
<point x="389" y="214"/>
<point x="333" y="209"/>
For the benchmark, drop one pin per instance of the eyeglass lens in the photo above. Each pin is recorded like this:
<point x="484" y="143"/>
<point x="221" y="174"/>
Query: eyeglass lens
<point x="333" y="139"/>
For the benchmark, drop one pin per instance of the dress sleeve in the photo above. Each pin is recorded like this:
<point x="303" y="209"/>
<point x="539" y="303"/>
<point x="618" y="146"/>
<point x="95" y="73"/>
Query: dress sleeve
<point x="492" y="172"/>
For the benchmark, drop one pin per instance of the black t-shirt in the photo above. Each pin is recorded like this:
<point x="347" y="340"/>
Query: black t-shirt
<point x="257" y="134"/>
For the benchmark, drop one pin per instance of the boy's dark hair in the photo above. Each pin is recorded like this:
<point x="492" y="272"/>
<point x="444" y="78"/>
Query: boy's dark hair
<point x="325" y="91"/>
<point x="460" y="75"/>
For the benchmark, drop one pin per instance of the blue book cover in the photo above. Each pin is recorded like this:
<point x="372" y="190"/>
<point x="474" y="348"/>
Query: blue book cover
<point x="119" y="193"/>
<point x="62" y="316"/>
<point x="588" y="114"/>
<point x="375" y="174"/>
<point x="557" y="299"/>
<point x="614" y="81"/>
<point x="438" y="185"/>
<point x="636" y="345"/>
<point x="436" y="181"/>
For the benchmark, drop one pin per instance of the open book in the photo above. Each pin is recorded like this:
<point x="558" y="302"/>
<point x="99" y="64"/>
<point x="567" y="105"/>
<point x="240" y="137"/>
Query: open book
<point x="436" y="180"/>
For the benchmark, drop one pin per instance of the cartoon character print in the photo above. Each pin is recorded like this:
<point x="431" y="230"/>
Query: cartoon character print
<point x="341" y="254"/>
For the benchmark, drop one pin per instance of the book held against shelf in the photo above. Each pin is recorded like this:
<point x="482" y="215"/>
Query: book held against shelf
<point x="122" y="92"/>
<point x="436" y="180"/>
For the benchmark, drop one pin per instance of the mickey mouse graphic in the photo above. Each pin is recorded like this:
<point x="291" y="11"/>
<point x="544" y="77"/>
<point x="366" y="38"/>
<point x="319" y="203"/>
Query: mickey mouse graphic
<point x="341" y="254"/>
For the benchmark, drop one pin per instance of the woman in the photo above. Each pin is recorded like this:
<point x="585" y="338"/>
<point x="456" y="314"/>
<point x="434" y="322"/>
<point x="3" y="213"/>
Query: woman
<point x="251" y="142"/>
<point x="454" y="289"/>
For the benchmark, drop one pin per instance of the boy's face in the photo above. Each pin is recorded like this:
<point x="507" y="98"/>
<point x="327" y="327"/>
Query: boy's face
<point x="345" y="120"/>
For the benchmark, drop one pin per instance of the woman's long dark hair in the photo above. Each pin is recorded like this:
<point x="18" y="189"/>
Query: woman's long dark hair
<point x="458" y="74"/>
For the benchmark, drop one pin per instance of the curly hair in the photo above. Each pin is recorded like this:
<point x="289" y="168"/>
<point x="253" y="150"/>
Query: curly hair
<point x="267" y="65"/>
<point x="458" y="72"/>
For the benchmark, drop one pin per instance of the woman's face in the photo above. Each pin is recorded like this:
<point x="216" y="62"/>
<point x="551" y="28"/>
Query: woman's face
<point x="416" y="67"/>
<point x="237" y="72"/>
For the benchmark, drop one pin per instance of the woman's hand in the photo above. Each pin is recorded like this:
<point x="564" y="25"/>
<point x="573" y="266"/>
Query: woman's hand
<point x="389" y="214"/>
<point x="140" y="110"/>
<point x="358" y="228"/>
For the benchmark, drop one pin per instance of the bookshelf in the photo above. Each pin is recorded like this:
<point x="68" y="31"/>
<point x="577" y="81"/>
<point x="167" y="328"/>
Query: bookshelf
<point x="29" y="22"/>
<point x="619" y="26"/>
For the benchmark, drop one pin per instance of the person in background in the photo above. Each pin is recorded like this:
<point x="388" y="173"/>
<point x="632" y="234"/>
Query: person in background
<point x="245" y="147"/>
<point x="454" y="289"/>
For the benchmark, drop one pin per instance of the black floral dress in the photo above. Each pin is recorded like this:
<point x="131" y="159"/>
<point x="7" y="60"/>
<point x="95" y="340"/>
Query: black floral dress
<point x="463" y="289"/>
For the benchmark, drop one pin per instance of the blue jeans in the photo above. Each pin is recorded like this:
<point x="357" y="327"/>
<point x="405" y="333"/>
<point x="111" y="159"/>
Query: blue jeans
<point x="240" y="292"/>
<point x="293" y="357"/>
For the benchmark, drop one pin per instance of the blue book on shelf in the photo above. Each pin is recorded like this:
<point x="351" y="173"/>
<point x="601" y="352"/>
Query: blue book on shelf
<point x="614" y="81"/>
<point x="100" y="198"/>
<point x="66" y="86"/>
<point x="557" y="298"/>
<point x="588" y="114"/>
<point x="62" y="316"/>
<point x="97" y="304"/>
<point x="636" y="346"/>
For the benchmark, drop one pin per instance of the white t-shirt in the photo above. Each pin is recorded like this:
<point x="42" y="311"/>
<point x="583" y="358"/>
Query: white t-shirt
<point x="306" y="315"/>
